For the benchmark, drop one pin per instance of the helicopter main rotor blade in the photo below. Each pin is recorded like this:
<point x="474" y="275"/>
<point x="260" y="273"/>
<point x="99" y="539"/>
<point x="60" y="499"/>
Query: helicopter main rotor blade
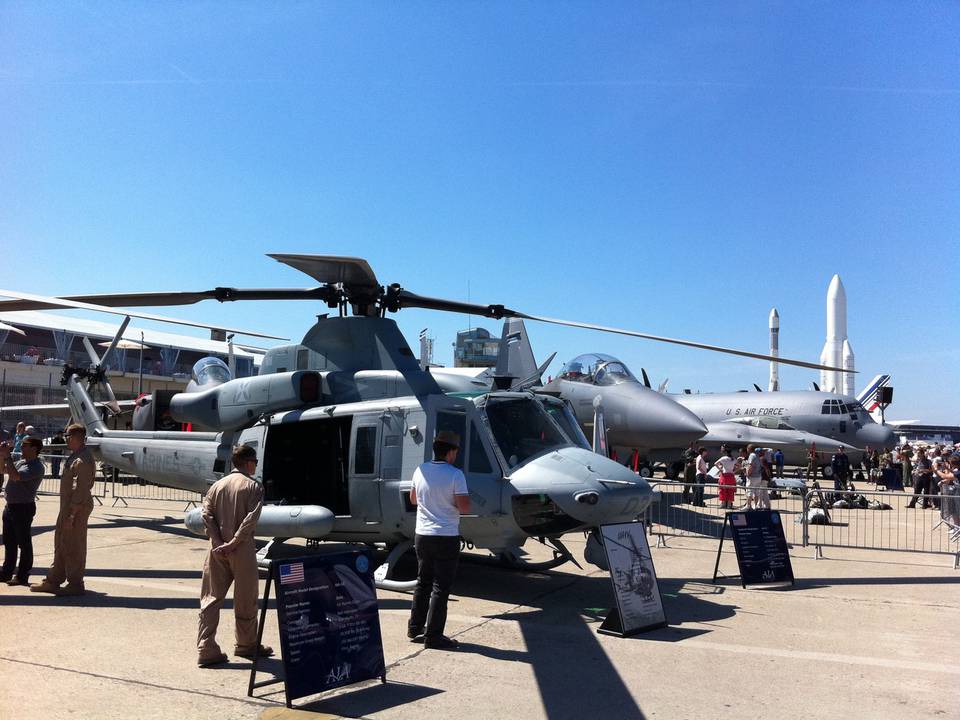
<point x="61" y="302"/>
<point x="398" y="298"/>
<point x="686" y="343"/>
<point x="332" y="269"/>
<point x="161" y="299"/>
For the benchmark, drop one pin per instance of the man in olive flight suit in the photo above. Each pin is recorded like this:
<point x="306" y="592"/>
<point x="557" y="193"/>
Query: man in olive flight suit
<point x="76" y="504"/>
<point x="231" y="509"/>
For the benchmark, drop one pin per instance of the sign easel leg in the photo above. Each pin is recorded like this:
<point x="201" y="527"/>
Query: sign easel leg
<point x="263" y="620"/>
<point x="723" y="534"/>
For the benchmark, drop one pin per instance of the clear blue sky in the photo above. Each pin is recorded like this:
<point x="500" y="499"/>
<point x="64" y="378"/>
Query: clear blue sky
<point x="676" y="168"/>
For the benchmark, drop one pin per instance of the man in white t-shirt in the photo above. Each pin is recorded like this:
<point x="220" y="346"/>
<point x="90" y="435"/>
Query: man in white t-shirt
<point x="440" y="493"/>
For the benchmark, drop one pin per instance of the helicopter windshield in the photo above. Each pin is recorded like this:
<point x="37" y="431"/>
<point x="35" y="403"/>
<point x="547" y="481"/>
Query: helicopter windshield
<point x="560" y="413"/>
<point x="210" y="371"/>
<point x="596" y="369"/>
<point x="522" y="428"/>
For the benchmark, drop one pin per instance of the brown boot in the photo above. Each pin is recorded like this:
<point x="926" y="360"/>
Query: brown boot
<point x="45" y="587"/>
<point x="250" y="654"/>
<point x="71" y="589"/>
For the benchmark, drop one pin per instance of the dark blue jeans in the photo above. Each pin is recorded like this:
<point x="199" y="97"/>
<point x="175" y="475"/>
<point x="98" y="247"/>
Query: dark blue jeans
<point x="437" y="559"/>
<point x="17" y="519"/>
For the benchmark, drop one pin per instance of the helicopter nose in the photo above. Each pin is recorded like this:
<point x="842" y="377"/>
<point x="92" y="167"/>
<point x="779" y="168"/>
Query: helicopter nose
<point x="660" y="421"/>
<point x="574" y="488"/>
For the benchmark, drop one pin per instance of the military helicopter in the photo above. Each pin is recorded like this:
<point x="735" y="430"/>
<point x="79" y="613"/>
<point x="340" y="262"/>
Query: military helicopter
<point x="338" y="443"/>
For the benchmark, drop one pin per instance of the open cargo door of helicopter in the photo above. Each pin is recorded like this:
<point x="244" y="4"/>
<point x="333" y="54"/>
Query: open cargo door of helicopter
<point x="305" y="462"/>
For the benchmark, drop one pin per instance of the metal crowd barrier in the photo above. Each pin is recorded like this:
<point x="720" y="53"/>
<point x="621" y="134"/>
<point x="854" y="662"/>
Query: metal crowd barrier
<point x="821" y="517"/>
<point x="122" y="487"/>
<point x="50" y="485"/>
<point x="127" y="487"/>
<point x="673" y="517"/>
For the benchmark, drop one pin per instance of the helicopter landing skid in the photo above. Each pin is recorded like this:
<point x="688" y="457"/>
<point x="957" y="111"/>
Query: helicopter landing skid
<point x="515" y="559"/>
<point x="382" y="574"/>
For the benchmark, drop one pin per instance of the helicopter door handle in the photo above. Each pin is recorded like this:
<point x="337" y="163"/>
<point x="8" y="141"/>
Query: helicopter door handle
<point x="128" y="454"/>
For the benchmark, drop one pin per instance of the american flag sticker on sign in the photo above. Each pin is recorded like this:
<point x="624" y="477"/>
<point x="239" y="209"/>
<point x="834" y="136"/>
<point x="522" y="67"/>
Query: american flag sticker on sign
<point x="292" y="573"/>
<point x="739" y="520"/>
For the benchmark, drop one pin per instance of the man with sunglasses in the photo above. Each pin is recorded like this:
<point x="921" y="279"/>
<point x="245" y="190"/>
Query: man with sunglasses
<point x="76" y="504"/>
<point x="231" y="509"/>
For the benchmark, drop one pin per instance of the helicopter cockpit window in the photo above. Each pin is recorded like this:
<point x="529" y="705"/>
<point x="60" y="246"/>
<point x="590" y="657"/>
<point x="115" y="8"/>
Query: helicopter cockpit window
<point x="210" y="371"/>
<point x="479" y="461"/>
<point x="560" y="413"/>
<point x="457" y="422"/>
<point x="522" y="429"/>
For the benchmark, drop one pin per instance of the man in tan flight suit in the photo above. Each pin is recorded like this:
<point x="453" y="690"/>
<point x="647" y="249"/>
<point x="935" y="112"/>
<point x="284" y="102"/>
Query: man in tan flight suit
<point x="231" y="508"/>
<point x="76" y="504"/>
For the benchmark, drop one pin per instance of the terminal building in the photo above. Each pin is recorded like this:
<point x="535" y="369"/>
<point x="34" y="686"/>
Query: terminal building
<point x="476" y="348"/>
<point x="31" y="364"/>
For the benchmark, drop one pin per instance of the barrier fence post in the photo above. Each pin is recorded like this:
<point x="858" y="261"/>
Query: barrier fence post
<point x="805" y="522"/>
<point x="113" y="493"/>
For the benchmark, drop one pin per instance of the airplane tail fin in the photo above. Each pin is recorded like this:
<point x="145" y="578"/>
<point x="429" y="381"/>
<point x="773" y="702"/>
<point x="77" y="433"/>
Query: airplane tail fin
<point x="516" y="366"/>
<point x="868" y="396"/>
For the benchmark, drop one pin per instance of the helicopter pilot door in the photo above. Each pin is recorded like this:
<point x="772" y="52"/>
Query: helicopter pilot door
<point x="475" y="458"/>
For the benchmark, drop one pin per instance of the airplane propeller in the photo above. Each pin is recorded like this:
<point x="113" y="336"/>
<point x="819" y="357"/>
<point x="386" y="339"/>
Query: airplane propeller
<point x="350" y="282"/>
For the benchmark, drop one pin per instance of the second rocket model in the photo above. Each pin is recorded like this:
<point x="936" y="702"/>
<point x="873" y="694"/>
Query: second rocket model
<point x="774" y="350"/>
<point x="837" y="351"/>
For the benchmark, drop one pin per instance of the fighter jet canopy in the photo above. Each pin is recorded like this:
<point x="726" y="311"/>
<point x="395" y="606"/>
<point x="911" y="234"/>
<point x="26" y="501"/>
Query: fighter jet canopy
<point x="596" y="369"/>
<point x="210" y="371"/>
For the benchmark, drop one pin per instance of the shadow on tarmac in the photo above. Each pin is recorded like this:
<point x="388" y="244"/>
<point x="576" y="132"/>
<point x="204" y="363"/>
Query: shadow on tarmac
<point x="564" y="651"/>
<point x="167" y="525"/>
<point x="94" y="599"/>
<point x="366" y="701"/>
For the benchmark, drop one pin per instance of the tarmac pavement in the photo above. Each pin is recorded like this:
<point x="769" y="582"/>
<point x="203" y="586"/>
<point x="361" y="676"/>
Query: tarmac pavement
<point x="862" y="634"/>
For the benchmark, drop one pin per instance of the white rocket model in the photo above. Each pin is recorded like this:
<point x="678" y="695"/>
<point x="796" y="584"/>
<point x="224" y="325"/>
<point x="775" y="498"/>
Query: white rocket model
<point x="836" y="350"/>
<point x="774" y="349"/>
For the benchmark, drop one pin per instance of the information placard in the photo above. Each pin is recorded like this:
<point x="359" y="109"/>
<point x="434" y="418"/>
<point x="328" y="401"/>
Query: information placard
<point x="762" y="552"/>
<point x="329" y="622"/>
<point x="635" y="587"/>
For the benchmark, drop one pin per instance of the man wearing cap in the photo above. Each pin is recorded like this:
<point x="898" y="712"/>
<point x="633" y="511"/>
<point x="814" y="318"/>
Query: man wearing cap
<point x="440" y="494"/>
<point x="25" y="476"/>
<point x="230" y="512"/>
<point x="76" y="504"/>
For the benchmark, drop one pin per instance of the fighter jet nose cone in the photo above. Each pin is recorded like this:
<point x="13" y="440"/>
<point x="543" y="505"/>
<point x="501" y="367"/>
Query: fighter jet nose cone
<point x="665" y="423"/>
